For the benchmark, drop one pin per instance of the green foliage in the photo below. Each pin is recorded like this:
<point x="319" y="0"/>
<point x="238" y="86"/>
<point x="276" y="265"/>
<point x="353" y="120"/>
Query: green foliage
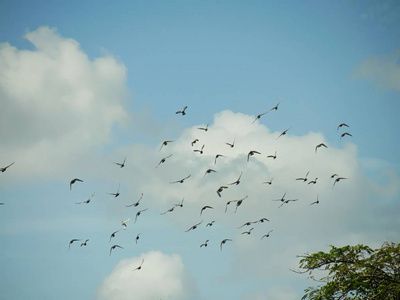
<point x="354" y="272"/>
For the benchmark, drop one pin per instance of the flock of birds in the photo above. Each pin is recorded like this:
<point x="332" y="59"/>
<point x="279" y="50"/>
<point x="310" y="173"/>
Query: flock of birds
<point x="238" y="202"/>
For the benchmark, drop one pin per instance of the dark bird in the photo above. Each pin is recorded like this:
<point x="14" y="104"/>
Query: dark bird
<point x="281" y="199"/>
<point x="266" y="235"/>
<point x="201" y="150"/>
<point x="334" y="175"/>
<point x="71" y="182"/>
<point x="315" y="202"/>
<point x="137" y="238"/>
<point x="84" y="243"/>
<point x="287" y="201"/>
<point x="138" y="268"/>
<point x="239" y="202"/>
<point x="231" y="144"/>
<point x="272" y="156"/>
<point x="123" y="223"/>
<point x="195" y="141"/>
<point x="86" y="201"/>
<point x="113" y="235"/>
<point x="5" y="168"/>
<point x="275" y="107"/>
<point x="121" y="164"/>
<point x="165" y="143"/>
<point x="163" y="160"/>
<point x="209" y="171"/>
<point x="344" y="134"/>
<point x="136" y="203"/>
<point x="304" y="179"/>
<point x="204" y="128"/>
<point x="251" y="153"/>
<point x="169" y="210"/>
<point x="237" y="180"/>
<point x="115" y="246"/>
<point x="210" y="224"/>
<point x="283" y="133"/>
<point x="181" y="180"/>
<point x="216" y="157"/>
<point x="227" y="203"/>
<point x="313" y="181"/>
<point x="248" y="232"/>
<point x="194" y="226"/>
<point x="138" y="213"/>
<point x="246" y="224"/>
<point x="205" y="207"/>
<point x="262" y="220"/>
<point x="117" y="193"/>
<point x="223" y="242"/>
<point x="259" y="116"/>
<point x="183" y="111"/>
<point x="320" y="145"/>
<point x="220" y="189"/>
<point x="337" y="180"/>
<point x="71" y="241"/>
<point x="180" y="204"/>
<point x="205" y="244"/>
<point x="341" y="125"/>
<point x="268" y="182"/>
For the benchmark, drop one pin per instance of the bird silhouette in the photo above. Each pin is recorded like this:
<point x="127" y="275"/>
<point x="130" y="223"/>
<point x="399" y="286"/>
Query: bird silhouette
<point x="210" y="224"/>
<point x="281" y="199"/>
<point x="266" y="235"/>
<point x="5" y="168"/>
<point x="275" y="107"/>
<point x="115" y="246"/>
<point x="138" y="213"/>
<point x="315" y="202"/>
<point x="337" y="180"/>
<point x="237" y="180"/>
<point x="205" y="244"/>
<point x="200" y="151"/>
<point x="183" y="111"/>
<point x="216" y="157"/>
<point x="121" y="164"/>
<point x="72" y="182"/>
<point x="117" y="193"/>
<point x="231" y="144"/>
<point x="320" y="145"/>
<point x="137" y="238"/>
<point x="313" y="181"/>
<point x="113" y="235"/>
<point x="245" y="224"/>
<point x="205" y="207"/>
<point x="165" y="143"/>
<point x="209" y="171"/>
<point x="86" y="201"/>
<point x="169" y="210"/>
<point x="283" y="133"/>
<point x="136" y="203"/>
<point x="181" y="180"/>
<point x="194" y="142"/>
<point x="268" y="182"/>
<point x="272" y="156"/>
<point x="251" y="153"/>
<point x="341" y="125"/>
<point x="259" y="116"/>
<point x="248" y="232"/>
<point x="140" y="266"/>
<point x="223" y="242"/>
<point x="194" y="226"/>
<point x="239" y="202"/>
<point x="204" y="128"/>
<point x="85" y="243"/>
<point x="180" y="204"/>
<point x="220" y="189"/>
<point x="123" y="223"/>
<point x="344" y="134"/>
<point x="72" y="241"/>
<point x="163" y="160"/>
<point x="287" y="201"/>
<point x="304" y="179"/>
<point x="262" y="220"/>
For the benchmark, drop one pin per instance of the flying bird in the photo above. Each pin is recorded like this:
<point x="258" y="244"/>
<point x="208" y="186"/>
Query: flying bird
<point x="169" y="210"/>
<point x="251" y="153"/>
<point x="320" y="145"/>
<point x="138" y="268"/>
<point x="163" y="160"/>
<point x="205" y="244"/>
<point x="344" y="134"/>
<point x="245" y="224"/>
<point x="259" y="116"/>
<point x="113" y="235"/>
<point x="165" y="143"/>
<point x="205" y="207"/>
<point x="272" y="156"/>
<point x="201" y="150"/>
<point x="304" y="179"/>
<point x="180" y="203"/>
<point x="5" y="168"/>
<point x="86" y="201"/>
<point x="223" y="242"/>
<point x="123" y="223"/>
<point x="275" y="107"/>
<point x="195" y="141"/>
<point x="84" y="243"/>
<point x="216" y="157"/>
<point x="248" y="232"/>
<point x="281" y="199"/>
<point x="183" y="111"/>
<point x="137" y="238"/>
<point x="181" y="180"/>
<point x="268" y="182"/>
<point x="194" y="226"/>
<point x="237" y="181"/>
<point x="313" y="181"/>
<point x="138" y="213"/>
<point x="287" y="201"/>
<point x="341" y="125"/>
<point x="209" y="171"/>
<point x="337" y="180"/>
<point x="204" y="128"/>
<point x="121" y="164"/>
<point x="262" y="220"/>
<point x="231" y="144"/>
<point x="136" y="203"/>
<point x="71" y="182"/>
<point x="315" y="202"/>
<point x="283" y="133"/>
<point x="117" y="193"/>
<point x="210" y="224"/>
<point x="72" y="241"/>
<point x="239" y="202"/>
<point x="220" y="189"/>
<point x="115" y="246"/>
<point x="266" y="235"/>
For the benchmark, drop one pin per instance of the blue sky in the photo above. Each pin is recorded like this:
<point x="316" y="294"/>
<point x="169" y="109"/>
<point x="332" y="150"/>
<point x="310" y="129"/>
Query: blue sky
<point x="84" y="85"/>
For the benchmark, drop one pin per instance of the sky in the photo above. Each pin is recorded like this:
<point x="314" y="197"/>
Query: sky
<point x="86" y="86"/>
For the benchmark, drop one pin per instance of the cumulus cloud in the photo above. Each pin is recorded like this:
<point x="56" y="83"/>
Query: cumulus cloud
<point x="162" y="277"/>
<point x="383" y="72"/>
<point x="56" y="103"/>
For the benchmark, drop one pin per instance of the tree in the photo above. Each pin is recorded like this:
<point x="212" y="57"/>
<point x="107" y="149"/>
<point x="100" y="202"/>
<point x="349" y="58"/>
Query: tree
<point x="354" y="272"/>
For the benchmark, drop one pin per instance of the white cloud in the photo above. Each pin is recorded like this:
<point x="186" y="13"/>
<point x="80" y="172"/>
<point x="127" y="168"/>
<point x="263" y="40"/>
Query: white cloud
<point x="383" y="72"/>
<point x="162" y="277"/>
<point x="56" y="103"/>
